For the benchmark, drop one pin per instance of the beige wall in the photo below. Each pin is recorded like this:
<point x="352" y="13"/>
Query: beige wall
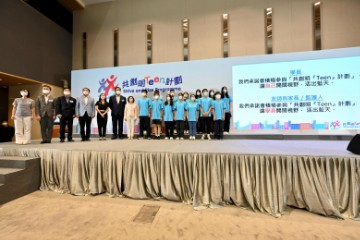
<point x="32" y="45"/>
<point x="35" y="90"/>
<point x="292" y="28"/>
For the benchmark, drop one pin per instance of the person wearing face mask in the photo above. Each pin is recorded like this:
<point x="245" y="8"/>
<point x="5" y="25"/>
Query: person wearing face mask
<point x="156" y="112"/>
<point x="227" y="99"/>
<point x="102" y="108"/>
<point x="169" y="117"/>
<point x="65" y="110"/>
<point x="6" y="132"/>
<point x="143" y="105"/>
<point x="192" y="109"/>
<point x="23" y="113"/>
<point x="197" y="99"/>
<point x="186" y="124"/>
<point x="117" y="105"/>
<point x="174" y="99"/>
<point x="46" y="113"/>
<point x="218" y="110"/>
<point x="205" y="113"/>
<point x="173" y="96"/>
<point x="212" y="96"/>
<point x="180" y="108"/>
<point x="130" y="116"/>
<point x="85" y="111"/>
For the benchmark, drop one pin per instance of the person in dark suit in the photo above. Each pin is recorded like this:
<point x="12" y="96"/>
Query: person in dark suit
<point x="45" y="113"/>
<point x="85" y="111"/>
<point x="117" y="105"/>
<point x="65" y="110"/>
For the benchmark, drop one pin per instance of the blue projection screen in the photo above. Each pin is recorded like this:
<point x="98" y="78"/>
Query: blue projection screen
<point x="321" y="94"/>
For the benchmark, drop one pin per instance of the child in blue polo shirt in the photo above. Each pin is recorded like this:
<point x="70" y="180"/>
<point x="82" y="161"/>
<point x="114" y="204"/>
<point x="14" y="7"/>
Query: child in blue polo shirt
<point x="205" y="113"/>
<point x="157" y="108"/>
<point x="144" y="114"/>
<point x="169" y="117"/>
<point x="192" y="108"/>
<point x="179" y="107"/>
<point x="227" y="99"/>
<point x="218" y="110"/>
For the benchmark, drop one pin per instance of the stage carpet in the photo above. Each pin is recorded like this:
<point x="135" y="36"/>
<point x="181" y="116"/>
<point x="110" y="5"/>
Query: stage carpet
<point x="261" y="175"/>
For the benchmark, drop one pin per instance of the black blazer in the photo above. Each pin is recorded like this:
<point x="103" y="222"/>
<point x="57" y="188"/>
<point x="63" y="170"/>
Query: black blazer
<point x="117" y="109"/>
<point x="64" y="108"/>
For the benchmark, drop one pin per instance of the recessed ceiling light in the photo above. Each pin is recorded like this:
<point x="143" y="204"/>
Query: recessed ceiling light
<point x="317" y="3"/>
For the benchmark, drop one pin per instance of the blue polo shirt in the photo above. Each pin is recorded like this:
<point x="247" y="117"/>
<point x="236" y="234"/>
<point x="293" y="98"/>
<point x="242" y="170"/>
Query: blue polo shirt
<point x="218" y="106"/>
<point x="168" y="113"/>
<point x="144" y="104"/>
<point x="205" y="103"/>
<point x="192" y="108"/>
<point x="156" y="107"/>
<point x="179" y="107"/>
<point x="227" y="102"/>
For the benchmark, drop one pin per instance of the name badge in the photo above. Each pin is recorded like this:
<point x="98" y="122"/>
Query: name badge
<point x="51" y="100"/>
<point x="71" y="101"/>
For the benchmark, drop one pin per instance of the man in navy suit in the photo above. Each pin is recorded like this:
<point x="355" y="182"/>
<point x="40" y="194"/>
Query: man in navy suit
<point x="65" y="110"/>
<point x="117" y="105"/>
<point x="85" y="111"/>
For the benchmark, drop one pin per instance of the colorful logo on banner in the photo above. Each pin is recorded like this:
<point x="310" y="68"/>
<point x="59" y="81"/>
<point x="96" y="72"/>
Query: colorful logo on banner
<point x="162" y="83"/>
<point x="107" y="84"/>
<point x="335" y="125"/>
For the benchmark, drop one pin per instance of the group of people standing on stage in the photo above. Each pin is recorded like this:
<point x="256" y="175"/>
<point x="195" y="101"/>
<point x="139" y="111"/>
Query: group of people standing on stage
<point x="201" y="112"/>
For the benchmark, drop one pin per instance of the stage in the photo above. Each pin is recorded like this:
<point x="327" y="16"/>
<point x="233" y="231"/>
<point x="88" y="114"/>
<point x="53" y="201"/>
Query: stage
<point x="261" y="175"/>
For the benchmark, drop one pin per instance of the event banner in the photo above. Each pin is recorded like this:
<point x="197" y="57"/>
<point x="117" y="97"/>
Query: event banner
<point x="272" y="94"/>
<point x="321" y="94"/>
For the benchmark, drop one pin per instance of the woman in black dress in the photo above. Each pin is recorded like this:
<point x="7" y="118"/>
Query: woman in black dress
<point x="102" y="108"/>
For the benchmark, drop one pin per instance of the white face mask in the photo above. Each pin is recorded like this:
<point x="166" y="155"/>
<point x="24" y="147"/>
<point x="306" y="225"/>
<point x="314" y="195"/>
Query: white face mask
<point x="205" y="94"/>
<point x="198" y="94"/>
<point x="85" y="93"/>
<point x="118" y="92"/>
<point x="24" y="94"/>
<point x="168" y="98"/>
<point x="66" y="93"/>
<point x="156" y="97"/>
<point x="218" y="96"/>
<point x="143" y="94"/>
<point x="193" y="99"/>
<point x="211" y="94"/>
<point x="45" y="91"/>
<point x="180" y="97"/>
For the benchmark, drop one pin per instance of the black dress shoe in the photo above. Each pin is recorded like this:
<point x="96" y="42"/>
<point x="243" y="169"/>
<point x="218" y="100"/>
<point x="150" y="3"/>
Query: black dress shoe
<point x="114" y="137"/>
<point x="62" y="140"/>
<point x="70" y="140"/>
<point x="83" y="140"/>
<point x="88" y="139"/>
<point x="42" y="142"/>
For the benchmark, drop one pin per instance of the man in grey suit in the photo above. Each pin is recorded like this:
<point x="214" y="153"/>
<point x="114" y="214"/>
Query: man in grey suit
<point x="45" y="113"/>
<point x="85" y="111"/>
